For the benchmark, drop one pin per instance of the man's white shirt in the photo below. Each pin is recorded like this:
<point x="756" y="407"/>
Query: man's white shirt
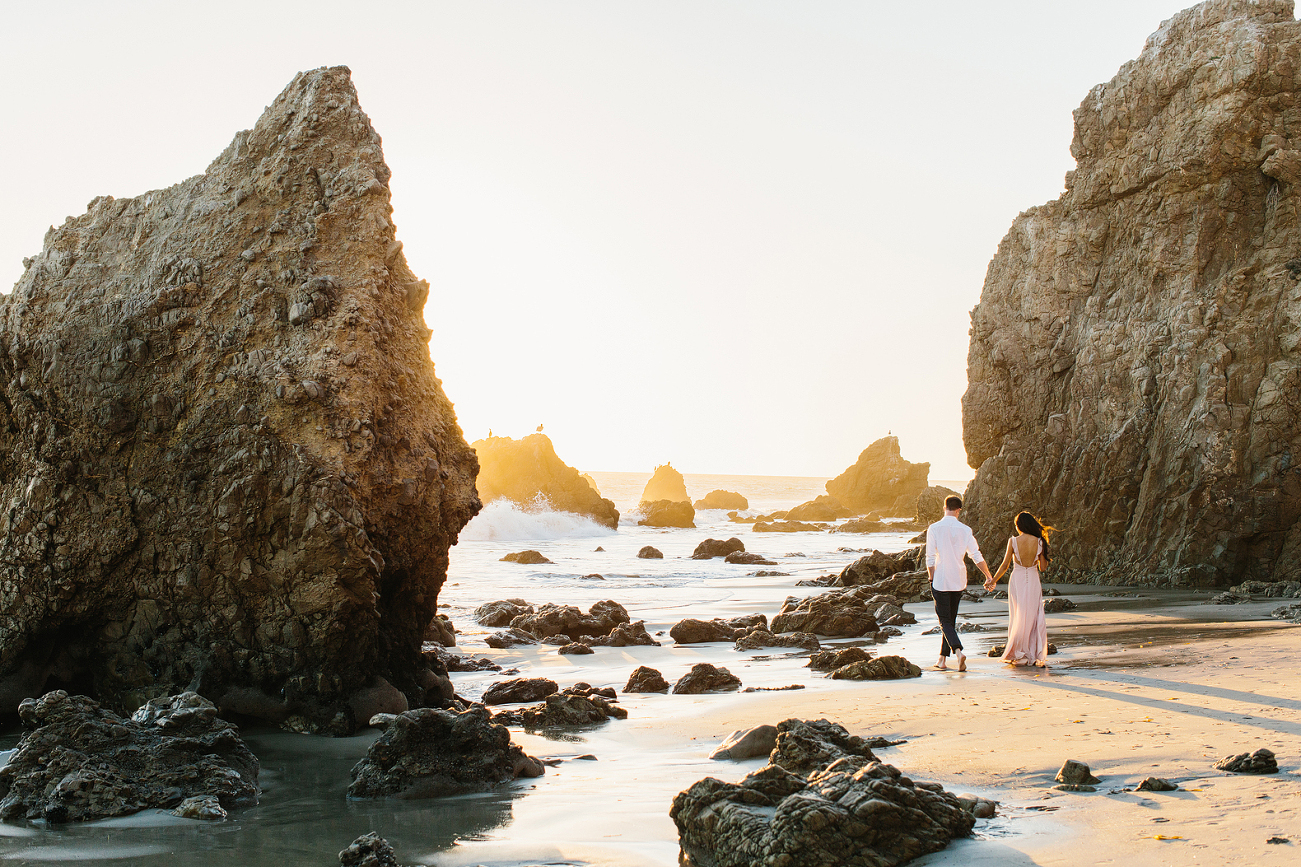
<point x="947" y="541"/>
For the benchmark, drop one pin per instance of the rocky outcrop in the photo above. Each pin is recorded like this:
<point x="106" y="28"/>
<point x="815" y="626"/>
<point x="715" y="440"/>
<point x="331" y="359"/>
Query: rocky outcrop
<point x="502" y="611"/>
<point x="748" y="558"/>
<point x="881" y="481"/>
<point x="758" y="637"/>
<point x="368" y="850"/>
<point x="824" y="798"/>
<point x="877" y="566"/>
<point x="836" y="613"/>
<point x="577" y="705"/>
<point x="527" y="471"/>
<point x="666" y="483"/>
<point x="703" y="678"/>
<point x="551" y="619"/>
<point x="823" y="508"/>
<point x="430" y="753"/>
<point x="1262" y="761"/>
<point x="711" y="548"/>
<point x="667" y="513"/>
<point x="878" y="668"/>
<point x="226" y="462"/>
<point x="79" y="761"/>
<point x="528" y="558"/>
<point x="646" y="679"/>
<point x="723" y="500"/>
<point x="518" y="690"/>
<point x="787" y="527"/>
<point x="834" y="658"/>
<point x="1134" y="355"/>
<point x="649" y="552"/>
<point x="930" y="504"/>
<point x="695" y="631"/>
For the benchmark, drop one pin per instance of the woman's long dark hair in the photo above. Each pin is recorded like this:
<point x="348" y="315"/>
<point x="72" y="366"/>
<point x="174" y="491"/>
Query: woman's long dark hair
<point x="1028" y="523"/>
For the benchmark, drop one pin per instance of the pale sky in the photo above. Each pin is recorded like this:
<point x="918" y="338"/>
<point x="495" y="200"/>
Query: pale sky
<point x="744" y="237"/>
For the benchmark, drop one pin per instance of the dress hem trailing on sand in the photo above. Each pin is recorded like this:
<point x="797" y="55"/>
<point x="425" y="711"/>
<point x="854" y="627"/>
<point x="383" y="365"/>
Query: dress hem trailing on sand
<point x="1027" y="628"/>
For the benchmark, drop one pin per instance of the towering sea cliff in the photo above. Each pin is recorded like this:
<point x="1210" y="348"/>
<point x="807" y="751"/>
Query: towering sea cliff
<point x="226" y="463"/>
<point x="1134" y="365"/>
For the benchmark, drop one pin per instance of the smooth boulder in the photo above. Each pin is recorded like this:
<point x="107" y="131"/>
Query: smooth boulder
<point x="746" y="744"/>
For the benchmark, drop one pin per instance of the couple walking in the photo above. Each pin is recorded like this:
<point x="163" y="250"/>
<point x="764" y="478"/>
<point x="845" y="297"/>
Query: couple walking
<point x="948" y="541"/>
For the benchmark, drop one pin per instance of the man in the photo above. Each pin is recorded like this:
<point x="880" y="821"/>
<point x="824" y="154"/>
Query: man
<point x="948" y="540"/>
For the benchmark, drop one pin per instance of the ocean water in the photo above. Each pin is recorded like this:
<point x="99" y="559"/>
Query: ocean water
<point x="613" y="811"/>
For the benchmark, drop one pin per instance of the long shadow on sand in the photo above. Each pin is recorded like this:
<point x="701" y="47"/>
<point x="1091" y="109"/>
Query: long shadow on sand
<point x="1163" y="704"/>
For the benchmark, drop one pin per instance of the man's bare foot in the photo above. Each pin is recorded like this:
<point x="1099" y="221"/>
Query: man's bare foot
<point x="940" y="666"/>
<point x="962" y="662"/>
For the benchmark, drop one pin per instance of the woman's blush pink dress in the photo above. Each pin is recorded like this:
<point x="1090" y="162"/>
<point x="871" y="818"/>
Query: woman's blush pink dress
<point x="1027" y="630"/>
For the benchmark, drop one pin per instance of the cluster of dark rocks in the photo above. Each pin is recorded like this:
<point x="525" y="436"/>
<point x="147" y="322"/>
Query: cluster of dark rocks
<point x="823" y="798"/>
<point x="606" y="624"/>
<point x="78" y="761"/>
<point x="429" y="752"/>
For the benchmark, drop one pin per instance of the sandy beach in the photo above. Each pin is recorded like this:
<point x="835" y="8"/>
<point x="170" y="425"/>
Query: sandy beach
<point x="1162" y="685"/>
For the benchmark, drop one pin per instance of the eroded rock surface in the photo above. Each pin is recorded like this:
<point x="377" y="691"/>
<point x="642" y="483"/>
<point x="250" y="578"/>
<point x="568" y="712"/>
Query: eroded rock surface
<point x="80" y="761"/>
<point x="528" y="471"/>
<point x="881" y="481"/>
<point x="666" y="483"/>
<point x="226" y="461"/>
<point x="704" y="677"/>
<point x="667" y="513"/>
<point x="836" y="613"/>
<point x="646" y="679"/>
<point x="822" y="799"/>
<point x="429" y="753"/>
<point x="711" y="548"/>
<point x="723" y="500"/>
<point x="1134" y="362"/>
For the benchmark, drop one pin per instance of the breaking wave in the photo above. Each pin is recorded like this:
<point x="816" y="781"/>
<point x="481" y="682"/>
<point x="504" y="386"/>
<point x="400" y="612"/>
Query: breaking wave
<point x="505" y="521"/>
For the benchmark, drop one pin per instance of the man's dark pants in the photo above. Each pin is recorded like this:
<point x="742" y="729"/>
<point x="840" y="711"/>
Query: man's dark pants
<point x="946" y="609"/>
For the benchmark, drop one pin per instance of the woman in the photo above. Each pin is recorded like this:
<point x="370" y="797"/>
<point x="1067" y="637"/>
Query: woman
<point x="1027" y="554"/>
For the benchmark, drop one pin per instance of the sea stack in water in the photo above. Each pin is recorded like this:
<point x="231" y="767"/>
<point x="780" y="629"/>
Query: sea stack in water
<point x="666" y="484"/>
<point x="1134" y="357"/>
<point x="527" y="469"/>
<point x="229" y="466"/>
<point x="881" y="481"/>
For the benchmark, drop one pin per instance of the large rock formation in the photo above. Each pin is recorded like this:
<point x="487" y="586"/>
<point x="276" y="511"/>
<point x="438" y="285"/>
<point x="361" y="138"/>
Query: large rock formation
<point x="1134" y="357"/>
<point x="881" y="481"/>
<point x="666" y="483"/>
<point x="226" y="463"/>
<point x="823" y="798"/>
<point x="527" y="469"/>
<point x="77" y="761"/>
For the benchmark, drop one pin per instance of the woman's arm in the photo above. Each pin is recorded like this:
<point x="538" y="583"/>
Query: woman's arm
<point x="1007" y="561"/>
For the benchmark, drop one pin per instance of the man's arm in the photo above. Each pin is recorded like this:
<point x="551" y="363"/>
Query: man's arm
<point x="973" y="551"/>
<point x="930" y="552"/>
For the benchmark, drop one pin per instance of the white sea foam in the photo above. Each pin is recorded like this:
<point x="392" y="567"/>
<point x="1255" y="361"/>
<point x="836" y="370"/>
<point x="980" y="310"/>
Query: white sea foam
<point x="504" y="521"/>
